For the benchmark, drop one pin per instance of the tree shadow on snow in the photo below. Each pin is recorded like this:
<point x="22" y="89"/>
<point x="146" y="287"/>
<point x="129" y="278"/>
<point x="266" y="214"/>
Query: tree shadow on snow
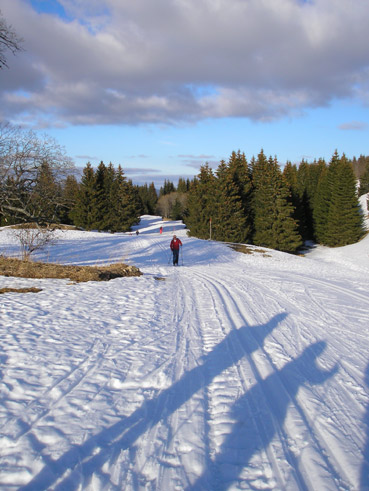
<point x="364" y="477"/>
<point x="85" y="460"/>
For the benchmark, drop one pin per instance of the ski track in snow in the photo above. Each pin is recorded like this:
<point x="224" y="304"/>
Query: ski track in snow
<point x="230" y="372"/>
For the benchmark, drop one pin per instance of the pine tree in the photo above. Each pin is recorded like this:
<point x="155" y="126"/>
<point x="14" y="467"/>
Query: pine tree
<point x="337" y="215"/>
<point x="177" y="211"/>
<point x="233" y="218"/>
<point x="109" y="178"/>
<point x="359" y="165"/>
<point x="167" y="188"/>
<point x="364" y="181"/>
<point x="152" y="198"/>
<point x="42" y="200"/>
<point x="320" y="208"/>
<point x="323" y="199"/>
<point x="273" y="213"/>
<point x="201" y="203"/>
<point x="345" y="222"/>
<point x="81" y="214"/>
<point x="262" y="198"/>
<point x="143" y="192"/>
<point x="182" y="186"/>
<point x="296" y="198"/>
<point x="224" y="206"/>
<point x="70" y="192"/>
<point x="316" y="170"/>
<point x="241" y="177"/>
<point x="290" y="176"/>
<point x="136" y="205"/>
<point x="303" y="207"/>
<point x="149" y="198"/>
<point x="125" y="205"/>
<point x="101" y="198"/>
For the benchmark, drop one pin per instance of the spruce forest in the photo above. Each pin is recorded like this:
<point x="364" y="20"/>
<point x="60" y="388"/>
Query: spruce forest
<point x="242" y="201"/>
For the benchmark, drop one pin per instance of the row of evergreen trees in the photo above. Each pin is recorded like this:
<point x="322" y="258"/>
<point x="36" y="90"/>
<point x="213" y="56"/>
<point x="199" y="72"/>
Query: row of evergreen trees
<point x="105" y="200"/>
<point x="171" y="201"/>
<point x="326" y="203"/>
<point x="239" y="202"/>
<point x="258" y="203"/>
<point x="102" y="199"/>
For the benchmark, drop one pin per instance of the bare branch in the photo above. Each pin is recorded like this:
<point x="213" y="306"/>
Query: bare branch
<point x="32" y="169"/>
<point x="33" y="239"/>
<point x="9" y="41"/>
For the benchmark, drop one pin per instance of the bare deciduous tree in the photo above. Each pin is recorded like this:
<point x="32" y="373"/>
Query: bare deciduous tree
<point x="23" y="158"/>
<point x="167" y="203"/>
<point x="9" y="41"/>
<point x="33" y="239"/>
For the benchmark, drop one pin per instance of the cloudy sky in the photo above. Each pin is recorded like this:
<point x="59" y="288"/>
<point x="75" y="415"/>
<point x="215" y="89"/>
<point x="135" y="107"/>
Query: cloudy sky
<point x="163" y="86"/>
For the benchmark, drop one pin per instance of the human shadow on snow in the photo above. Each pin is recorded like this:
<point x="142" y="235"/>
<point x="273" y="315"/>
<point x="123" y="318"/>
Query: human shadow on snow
<point x="259" y="415"/>
<point x="3" y="360"/>
<point x="364" y="475"/>
<point x="82" y="461"/>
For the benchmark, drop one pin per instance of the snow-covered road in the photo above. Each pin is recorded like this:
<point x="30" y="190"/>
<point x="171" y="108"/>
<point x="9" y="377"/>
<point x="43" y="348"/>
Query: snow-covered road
<point x="232" y="371"/>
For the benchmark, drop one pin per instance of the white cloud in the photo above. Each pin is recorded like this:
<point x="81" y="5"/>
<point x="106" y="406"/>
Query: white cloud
<point x="353" y="125"/>
<point x="120" y="61"/>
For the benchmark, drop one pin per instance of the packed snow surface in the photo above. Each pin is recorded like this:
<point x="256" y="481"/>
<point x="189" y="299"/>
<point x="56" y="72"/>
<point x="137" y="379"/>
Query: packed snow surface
<point x="231" y="371"/>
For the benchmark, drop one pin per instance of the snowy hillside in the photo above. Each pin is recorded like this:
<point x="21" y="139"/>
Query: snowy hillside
<point x="232" y="371"/>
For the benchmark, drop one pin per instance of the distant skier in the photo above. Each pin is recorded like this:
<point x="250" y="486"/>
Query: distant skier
<point x="175" y="245"/>
<point x="161" y="230"/>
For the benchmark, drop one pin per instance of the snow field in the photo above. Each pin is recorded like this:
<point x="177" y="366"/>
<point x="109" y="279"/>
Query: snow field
<point x="230" y="372"/>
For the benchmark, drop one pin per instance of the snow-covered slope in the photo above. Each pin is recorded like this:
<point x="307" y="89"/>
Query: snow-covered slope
<point x="232" y="371"/>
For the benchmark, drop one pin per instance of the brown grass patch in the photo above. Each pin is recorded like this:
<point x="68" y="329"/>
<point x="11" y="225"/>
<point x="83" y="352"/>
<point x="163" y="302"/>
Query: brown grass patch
<point x="20" y="290"/>
<point x="247" y="249"/>
<point x="53" y="226"/>
<point x="28" y="269"/>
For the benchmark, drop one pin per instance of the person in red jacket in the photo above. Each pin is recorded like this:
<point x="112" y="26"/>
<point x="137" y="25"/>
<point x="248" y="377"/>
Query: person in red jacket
<point x="175" y="245"/>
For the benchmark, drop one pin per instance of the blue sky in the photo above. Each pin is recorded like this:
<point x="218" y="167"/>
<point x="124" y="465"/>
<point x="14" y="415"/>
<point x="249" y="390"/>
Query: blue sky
<point x="163" y="87"/>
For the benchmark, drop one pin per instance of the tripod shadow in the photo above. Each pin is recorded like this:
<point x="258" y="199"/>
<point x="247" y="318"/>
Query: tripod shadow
<point x="258" y="416"/>
<point x="364" y="476"/>
<point x="89" y="458"/>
